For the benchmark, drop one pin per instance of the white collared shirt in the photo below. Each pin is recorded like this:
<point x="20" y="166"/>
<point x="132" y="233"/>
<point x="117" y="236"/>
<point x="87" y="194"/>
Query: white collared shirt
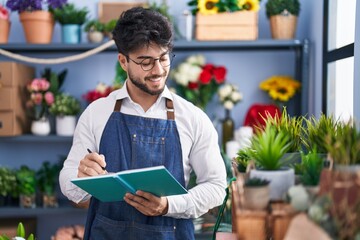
<point x="199" y="144"/>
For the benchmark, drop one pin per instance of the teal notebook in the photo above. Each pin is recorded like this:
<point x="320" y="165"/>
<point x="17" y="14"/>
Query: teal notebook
<point x="112" y="187"/>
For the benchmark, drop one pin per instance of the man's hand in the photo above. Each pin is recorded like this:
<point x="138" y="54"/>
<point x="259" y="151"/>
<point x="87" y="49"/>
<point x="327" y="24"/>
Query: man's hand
<point x="92" y="165"/>
<point x="147" y="204"/>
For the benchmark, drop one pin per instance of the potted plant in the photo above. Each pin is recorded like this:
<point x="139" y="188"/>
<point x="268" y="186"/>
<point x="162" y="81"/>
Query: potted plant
<point x="65" y="108"/>
<point x="268" y="147"/>
<point x="256" y="194"/>
<point x="283" y="17"/>
<point x="47" y="177"/>
<point x="27" y="186"/>
<point x="36" y="18"/>
<point x="4" y="24"/>
<point x="109" y="27"/>
<point x="71" y="19"/>
<point x="343" y="146"/>
<point x="94" y="29"/>
<point x="8" y="186"/>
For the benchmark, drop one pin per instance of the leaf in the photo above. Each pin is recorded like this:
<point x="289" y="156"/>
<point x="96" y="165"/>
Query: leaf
<point x="20" y="232"/>
<point x="31" y="237"/>
<point x="4" y="237"/>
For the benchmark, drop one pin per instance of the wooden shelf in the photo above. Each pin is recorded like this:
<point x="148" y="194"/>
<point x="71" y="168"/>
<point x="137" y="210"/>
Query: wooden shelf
<point x="34" y="138"/>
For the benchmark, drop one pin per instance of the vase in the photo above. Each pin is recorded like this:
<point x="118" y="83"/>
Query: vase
<point x="283" y="26"/>
<point x="27" y="201"/>
<point x="50" y="201"/>
<point x="41" y="127"/>
<point x="65" y="125"/>
<point x="71" y="33"/>
<point x="227" y="129"/>
<point x="38" y="26"/>
<point x="5" y="29"/>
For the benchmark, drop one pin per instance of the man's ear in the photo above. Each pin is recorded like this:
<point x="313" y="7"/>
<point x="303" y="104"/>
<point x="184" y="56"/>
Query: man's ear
<point x="123" y="61"/>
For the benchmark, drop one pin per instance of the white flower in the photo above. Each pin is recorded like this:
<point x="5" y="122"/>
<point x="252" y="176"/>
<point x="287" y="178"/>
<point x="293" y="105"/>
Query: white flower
<point x="196" y="59"/>
<point x="172" y="89"/>
<point x="229" y="95"/>
<point x="228" y="105"/>
<point x="225" y="91"/>
<point x="236" y="96"/>
<point x="101" y="87"/>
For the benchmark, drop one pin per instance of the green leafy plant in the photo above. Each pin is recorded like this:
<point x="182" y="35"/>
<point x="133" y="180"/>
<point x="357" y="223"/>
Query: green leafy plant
<point x="109" y="26"/>
<point x="56" y="80"/>
<point x="343" y="145"/>
<point x="269" y="146"/>
<point x="8" y="184"/>
<point x="291" y="126"/>
<point x="69" y="14"/>
<point x="26" y="180"/>
<point x="276" y="7"/>
<point x="65" y="105"/>
<point x="256" y="182"/>
<point x="316" y="130"/>
<point x="310" y="168"/>
<point x="47" y="177"/>
<point x="20" y="232"/>
<point x="242" y="159"/>
<point x="94" y="25"/>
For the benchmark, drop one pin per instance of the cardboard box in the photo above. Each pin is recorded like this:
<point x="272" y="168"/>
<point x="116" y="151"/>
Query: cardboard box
<point x="112" y="10"/>
<point x="13" y="96"/>
<point x="240" y="25"/>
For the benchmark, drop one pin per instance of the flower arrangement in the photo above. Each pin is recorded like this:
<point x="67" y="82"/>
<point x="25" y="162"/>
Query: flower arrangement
<point x="196" y="81"/>
<point x="34" y="5"/>
<point x="229" y="95"/>
<point x="207" y="7"/>
<point x="65" y="105"/>
<point x="101" y="90"/>
<point x="280" y="88"/>
<point x="41" y="98"/>
<point x="4" y="13"/>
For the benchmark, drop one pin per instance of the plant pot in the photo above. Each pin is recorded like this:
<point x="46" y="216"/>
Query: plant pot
<point x="27" y="201"/>
<point x="65" y="125"/>
<point x="38" y="26"/>
<point x="41" y="127"/>
<point x="280" y="181"/>
<point x="50" y="201"/>
<point x="71" y="33"/>
<point x="95" y="37"/>
<point x="283" y="26"/>
<point x="5" y="30"/>
<point x="256" y="198"/>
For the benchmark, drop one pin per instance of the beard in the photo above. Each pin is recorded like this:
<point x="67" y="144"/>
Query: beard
<point x="142" y="86"/>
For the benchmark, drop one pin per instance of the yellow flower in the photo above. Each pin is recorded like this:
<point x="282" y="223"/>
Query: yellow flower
<point x="249" y="5"/>
<point x="207" y="7"/>
<point x="280" y="88"/>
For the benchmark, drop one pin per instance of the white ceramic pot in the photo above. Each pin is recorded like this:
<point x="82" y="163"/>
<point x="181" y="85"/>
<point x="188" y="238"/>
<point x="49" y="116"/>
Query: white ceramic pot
<point x="65" y="125"/>
<point x="256" y="198"/>
<point x="280" y="181"/>
<point x="41" y="127"/>
<point x="95" y="37"/>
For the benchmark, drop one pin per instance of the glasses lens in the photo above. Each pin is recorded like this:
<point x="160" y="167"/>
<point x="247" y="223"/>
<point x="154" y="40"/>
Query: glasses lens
<point x="149" y="63"/>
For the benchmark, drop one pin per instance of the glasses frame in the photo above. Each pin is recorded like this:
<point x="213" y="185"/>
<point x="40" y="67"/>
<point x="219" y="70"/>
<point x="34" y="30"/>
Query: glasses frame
<point x="171" y="56"/>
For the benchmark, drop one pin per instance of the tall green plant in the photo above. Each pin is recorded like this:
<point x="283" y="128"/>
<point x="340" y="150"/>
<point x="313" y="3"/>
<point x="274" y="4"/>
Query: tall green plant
<point x="316" y="130"/>
<point x="269" y="146"/>
<point x="310" y="168"/>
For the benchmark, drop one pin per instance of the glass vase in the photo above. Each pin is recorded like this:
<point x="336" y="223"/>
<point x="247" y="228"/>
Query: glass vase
<point x="227" y="129"/>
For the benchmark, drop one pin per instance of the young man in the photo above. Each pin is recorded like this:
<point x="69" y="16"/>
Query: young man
<point x="140" y="125"/>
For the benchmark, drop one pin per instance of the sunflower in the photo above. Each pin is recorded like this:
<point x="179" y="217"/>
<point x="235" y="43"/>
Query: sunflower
<point x="282" y="93"/>
<point x="280" y="88"/>
<point x="207" y="7"/>
<point x="249" y="5"/>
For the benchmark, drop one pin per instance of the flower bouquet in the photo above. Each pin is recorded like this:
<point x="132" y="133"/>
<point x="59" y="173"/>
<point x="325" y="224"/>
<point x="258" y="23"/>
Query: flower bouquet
<point x="41" y="98"/>
<point x="280" y="88"/>
<point x="196" y="81"/>
<point x="229" y="95"/>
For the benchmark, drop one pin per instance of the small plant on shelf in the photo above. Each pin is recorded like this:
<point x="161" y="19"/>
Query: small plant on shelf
<point x="69" y="14"/>
<point x="277" y="7"/>
<point x="47" y="177"/>
<point x="27" y="186"/>
<point x="95" y="30"/>
<point x="256" y="182"/>
<point x="65" y="105"/>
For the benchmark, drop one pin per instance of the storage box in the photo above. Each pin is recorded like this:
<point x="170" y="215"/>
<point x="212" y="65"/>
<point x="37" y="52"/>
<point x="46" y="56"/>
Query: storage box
<point x="240" y="25"/>
<point x="112" y="10"/>
<point x="13" y="96"/>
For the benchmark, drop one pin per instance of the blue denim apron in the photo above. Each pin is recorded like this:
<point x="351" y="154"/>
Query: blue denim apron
<point x="130" y="142"/>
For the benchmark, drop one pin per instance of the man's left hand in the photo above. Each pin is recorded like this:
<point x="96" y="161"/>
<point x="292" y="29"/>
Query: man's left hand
<point x="147" y="204"/>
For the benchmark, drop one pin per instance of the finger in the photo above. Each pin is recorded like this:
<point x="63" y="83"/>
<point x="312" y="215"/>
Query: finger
<point x="135" y="202"/>
<point x="98" y="158"/>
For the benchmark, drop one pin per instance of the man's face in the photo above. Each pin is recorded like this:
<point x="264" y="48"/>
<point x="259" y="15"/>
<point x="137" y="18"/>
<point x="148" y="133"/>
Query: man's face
<point x="148" y="69"/>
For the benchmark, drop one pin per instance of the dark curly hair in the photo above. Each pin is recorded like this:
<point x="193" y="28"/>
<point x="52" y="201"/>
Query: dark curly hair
<point x="139" y="27"/>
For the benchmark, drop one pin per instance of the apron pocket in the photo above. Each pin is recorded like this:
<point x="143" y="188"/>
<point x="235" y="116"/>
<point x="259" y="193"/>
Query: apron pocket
<point x="106" y="228"/>
<point x="149" y="151"/>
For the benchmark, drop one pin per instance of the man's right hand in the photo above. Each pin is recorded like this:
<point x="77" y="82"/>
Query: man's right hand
<point x="92" y="164"/>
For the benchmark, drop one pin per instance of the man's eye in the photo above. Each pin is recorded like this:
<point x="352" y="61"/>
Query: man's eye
<point x="146" y="62"/>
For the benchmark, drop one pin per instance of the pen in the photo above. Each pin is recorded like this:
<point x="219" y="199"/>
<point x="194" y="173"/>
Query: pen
<point x="89" y="151"/>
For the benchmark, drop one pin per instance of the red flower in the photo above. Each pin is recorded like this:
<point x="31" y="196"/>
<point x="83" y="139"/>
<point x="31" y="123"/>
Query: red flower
<point x="193" y="85"/>
<point x="219" y="74"/>
<point x="205" y="76"/>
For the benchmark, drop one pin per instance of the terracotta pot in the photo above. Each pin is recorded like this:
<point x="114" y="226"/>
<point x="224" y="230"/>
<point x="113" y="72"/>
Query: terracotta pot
<point x="38" y="26"/>
<point x="283" y="26"/>
<point x="5" y="30"/>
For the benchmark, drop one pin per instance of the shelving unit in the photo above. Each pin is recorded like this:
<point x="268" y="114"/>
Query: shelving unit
<point x="299" y="47"/>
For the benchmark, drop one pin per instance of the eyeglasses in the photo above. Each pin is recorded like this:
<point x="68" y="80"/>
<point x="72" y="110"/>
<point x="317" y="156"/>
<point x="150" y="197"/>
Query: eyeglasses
<point x="148" y="63"/>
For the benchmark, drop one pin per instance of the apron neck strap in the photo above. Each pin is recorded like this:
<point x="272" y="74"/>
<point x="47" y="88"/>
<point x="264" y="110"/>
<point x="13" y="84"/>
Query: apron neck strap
<point x="169" y="108"/>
